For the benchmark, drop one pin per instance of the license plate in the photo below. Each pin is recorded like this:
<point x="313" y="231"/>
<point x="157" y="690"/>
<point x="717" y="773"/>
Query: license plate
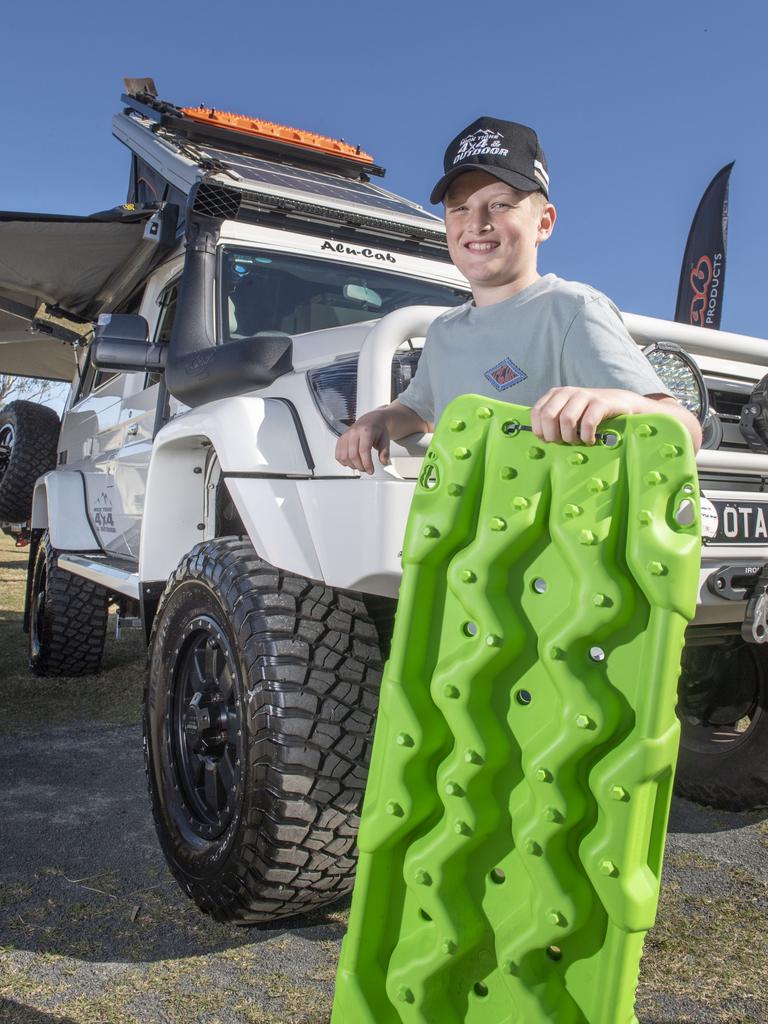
<point x="740" y="522"/>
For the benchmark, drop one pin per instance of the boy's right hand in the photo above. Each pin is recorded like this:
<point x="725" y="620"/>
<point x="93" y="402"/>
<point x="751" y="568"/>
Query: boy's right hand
<point x="354" y="447"/>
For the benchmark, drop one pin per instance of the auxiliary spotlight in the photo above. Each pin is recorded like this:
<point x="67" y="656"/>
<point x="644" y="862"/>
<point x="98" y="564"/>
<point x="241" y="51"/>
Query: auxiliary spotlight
<point x="677" y="370"/>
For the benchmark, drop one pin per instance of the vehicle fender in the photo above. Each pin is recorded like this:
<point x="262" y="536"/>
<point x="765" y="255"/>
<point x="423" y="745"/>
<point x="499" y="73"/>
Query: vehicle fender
<point x="59" y="505"/>
<point x="250" y="437"/>
<point x="274" y="516"/>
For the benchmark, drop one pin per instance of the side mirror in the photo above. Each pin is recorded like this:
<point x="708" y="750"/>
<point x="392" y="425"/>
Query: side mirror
<point x="121" y="342"/>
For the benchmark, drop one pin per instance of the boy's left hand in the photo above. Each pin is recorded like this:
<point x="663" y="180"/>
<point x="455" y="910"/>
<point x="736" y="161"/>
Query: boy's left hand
<point x="572" y="415"/>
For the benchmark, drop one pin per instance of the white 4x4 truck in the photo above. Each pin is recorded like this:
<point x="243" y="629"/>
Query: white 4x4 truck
<point x="259" y="292"/>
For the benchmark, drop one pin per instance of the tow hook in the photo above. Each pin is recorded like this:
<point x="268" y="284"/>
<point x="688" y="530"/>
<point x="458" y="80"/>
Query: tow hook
<point x="746" y="583"/>
<point x="753" y="628"/>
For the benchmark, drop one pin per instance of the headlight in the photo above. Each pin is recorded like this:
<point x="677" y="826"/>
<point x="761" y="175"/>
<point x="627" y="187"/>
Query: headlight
<point x="680" y="375"/>
<point x="334" y="387"/>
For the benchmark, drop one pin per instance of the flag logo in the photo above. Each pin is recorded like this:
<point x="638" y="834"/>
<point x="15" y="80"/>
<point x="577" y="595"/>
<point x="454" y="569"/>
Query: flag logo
<point x="505" y="374"/>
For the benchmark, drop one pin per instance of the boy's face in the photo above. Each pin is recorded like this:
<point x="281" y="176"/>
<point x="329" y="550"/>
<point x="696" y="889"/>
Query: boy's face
<point x="493" y="230"/>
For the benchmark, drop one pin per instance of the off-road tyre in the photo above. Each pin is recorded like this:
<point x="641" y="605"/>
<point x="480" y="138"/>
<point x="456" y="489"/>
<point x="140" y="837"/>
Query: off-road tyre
<point x="29" y="434"/>
<point x="256" y="784"/>
<point x="723" y="710"/>
<point x="68" y="618"/>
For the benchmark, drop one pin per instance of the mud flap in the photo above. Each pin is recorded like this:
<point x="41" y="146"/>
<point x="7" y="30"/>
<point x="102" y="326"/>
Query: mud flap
<point x="514" y="822"/>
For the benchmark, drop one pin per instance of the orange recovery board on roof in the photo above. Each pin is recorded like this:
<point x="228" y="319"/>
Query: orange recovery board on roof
<point x="269" y="130"/>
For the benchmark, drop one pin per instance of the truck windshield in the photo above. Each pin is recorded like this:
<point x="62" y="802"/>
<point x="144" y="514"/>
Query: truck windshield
<point x="264" y="291"/>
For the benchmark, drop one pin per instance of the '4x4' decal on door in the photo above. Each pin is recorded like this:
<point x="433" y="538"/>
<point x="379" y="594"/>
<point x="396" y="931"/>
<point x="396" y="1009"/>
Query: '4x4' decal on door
<point x="102" y="514"/>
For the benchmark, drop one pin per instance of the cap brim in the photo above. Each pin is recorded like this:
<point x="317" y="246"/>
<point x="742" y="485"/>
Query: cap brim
<point x="512" y="178"/>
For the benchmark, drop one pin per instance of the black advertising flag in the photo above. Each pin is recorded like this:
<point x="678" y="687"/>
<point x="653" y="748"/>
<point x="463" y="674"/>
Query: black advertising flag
<point x="702" y="277"/>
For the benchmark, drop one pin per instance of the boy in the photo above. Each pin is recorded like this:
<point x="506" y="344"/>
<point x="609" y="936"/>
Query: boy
<point x="558" y="346"/>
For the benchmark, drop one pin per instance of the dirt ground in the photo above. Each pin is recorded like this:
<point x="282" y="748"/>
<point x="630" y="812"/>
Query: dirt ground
<point x="93" y="928"/>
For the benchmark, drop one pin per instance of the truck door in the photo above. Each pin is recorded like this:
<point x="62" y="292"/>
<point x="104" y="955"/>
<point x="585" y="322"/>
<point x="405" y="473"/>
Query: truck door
<point x="89" y="421"/>
<point x="111" y="427"/>
<point x="140" y="418"/>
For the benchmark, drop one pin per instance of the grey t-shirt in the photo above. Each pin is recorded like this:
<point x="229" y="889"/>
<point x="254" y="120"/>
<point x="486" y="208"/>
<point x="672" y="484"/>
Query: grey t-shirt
<point x="551" y="334"/>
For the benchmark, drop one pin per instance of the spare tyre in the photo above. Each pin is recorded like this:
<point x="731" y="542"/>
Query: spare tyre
<point x="29" y="434"/>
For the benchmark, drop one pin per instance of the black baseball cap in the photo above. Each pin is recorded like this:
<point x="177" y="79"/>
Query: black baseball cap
<point x="505" y="149"/>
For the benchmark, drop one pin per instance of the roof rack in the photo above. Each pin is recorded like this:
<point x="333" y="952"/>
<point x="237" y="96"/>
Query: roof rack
<point x="248" y="134"/>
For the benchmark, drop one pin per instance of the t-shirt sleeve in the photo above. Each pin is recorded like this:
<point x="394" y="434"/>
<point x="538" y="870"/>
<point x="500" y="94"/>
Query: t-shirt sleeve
<point x="598" y="352"/>
<point x="419" y="395"/>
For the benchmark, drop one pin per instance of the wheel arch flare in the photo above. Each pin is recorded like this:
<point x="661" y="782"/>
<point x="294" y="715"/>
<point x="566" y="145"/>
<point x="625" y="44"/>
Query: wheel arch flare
<point x="248" y="436"/>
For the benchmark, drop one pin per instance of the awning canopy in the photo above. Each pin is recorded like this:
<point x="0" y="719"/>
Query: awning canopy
<point x="71" y="263"/>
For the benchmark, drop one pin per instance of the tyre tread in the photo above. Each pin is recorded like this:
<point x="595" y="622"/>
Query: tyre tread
<point x="308" y="753"/>
<point x="75" y="623"/>
<point x="36" y="429"/>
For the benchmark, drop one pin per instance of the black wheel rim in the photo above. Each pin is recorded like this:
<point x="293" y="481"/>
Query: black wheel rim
<point x="206" y="727"/>
<point x="7" y="437"/>
<point x="725" y="717"/>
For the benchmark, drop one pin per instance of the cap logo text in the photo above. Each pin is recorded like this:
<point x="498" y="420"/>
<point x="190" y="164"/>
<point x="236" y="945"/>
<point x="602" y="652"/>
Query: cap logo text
<point x="483" y="142"/>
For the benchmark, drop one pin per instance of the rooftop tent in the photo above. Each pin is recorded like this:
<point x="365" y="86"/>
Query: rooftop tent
<point x="76" y="266"/>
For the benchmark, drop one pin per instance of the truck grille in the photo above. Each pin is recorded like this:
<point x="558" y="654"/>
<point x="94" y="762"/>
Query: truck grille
<point x="727" y="397"/>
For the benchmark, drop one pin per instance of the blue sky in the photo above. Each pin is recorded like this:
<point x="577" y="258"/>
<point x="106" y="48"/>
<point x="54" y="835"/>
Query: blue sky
<point x="637" y="106"/>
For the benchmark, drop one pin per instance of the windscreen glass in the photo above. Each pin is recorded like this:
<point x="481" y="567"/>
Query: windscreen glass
<point x="294" y="294"/>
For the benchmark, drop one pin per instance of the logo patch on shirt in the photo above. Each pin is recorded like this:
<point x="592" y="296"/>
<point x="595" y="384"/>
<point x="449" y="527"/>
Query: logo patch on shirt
<point x="504" y="374"/>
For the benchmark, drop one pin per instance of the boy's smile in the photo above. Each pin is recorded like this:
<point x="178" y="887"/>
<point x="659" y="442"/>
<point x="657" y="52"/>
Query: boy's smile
<point x="493" y="231"/>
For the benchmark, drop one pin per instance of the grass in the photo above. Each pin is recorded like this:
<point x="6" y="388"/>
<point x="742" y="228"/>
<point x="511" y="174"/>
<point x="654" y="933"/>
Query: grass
<point x="113" y="696"/>
<point x="110" y="947"/>
<point x="709" y="941"/>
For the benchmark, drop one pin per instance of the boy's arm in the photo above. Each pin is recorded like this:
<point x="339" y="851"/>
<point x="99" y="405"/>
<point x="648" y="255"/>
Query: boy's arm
<point x="609" y="376"/>
<point x="573" y="414"/>
<point x="375" y="430"/>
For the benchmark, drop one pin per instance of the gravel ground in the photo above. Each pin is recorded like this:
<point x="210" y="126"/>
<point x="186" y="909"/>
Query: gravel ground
<point x="93" y="929"/>
<point x="93" y="926"/>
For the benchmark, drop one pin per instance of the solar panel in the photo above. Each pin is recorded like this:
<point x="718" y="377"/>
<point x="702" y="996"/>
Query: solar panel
<point x="290" y="180"/>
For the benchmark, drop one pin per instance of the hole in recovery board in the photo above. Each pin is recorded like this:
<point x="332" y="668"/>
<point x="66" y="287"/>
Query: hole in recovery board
<point x="554" y="953"/>
<point x="512" y="427"/>
<point x="609" y="438"/>
<point x="524" y="697"/>
<point x="424" y="915"/>
<point x="656" y="840"/>
<point x="470" y="629"/>
<point x="540" y="585"/>
<point x="480" y="989"/>
<point x="498" y="876"/>
<point x="430" y="477"/>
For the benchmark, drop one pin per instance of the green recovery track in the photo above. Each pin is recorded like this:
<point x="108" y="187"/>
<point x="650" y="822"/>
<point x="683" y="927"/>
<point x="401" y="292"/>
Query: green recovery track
<point x="514" y="823"/>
